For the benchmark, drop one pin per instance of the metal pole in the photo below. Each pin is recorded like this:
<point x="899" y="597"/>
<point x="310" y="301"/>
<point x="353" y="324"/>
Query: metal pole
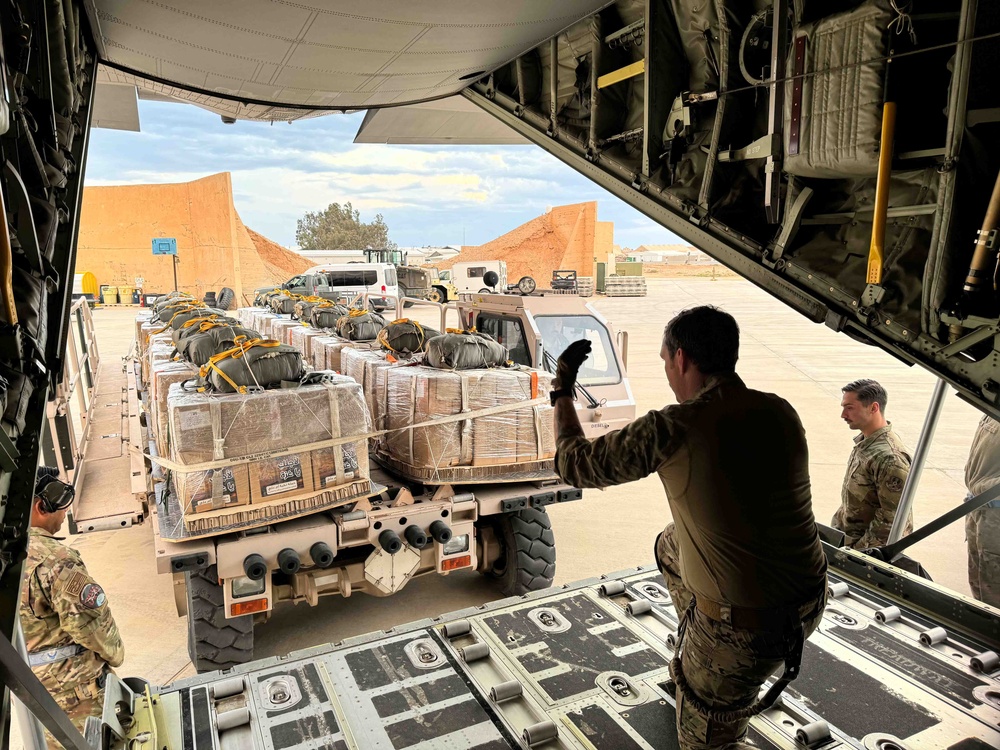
<point x="917" y="465"/>
<point x="32" y="734"/>
<point x="174" y="257"/>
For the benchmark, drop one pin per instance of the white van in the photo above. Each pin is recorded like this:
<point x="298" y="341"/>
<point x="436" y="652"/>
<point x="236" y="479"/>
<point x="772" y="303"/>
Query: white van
<point x="347" y="280"/>
<point x="470" y="276"/>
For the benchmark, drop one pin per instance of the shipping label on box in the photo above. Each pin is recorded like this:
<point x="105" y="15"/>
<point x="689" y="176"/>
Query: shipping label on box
<point x="214" y="489"/>
<point x="275" y="477"/>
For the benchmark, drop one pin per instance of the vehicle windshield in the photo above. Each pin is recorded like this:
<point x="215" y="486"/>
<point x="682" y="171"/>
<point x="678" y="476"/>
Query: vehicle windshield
<point x="559" y="331"/>
<point x="294" y="282"/>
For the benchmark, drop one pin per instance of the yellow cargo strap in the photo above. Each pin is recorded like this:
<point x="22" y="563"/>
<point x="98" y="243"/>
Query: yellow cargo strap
<point x="197" y="321"/>
<point x="176" y="313"/>
<point x="241" y="348"/>
<point x="383" y="335"/>
<point x="357" y="313"/>
<point x="461" y="331"/>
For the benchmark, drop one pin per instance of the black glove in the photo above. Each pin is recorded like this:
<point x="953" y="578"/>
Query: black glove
<point x="570" y="362"/>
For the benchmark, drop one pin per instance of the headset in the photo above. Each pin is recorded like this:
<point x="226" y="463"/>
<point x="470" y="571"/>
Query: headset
<point x="54" y="494"/>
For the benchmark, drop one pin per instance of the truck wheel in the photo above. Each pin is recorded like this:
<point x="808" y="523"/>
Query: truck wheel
<point x="527" y="559"/>
<point x="214" y="642"/>
<point x="437" y="295"/>
<point x="404" y="292"/>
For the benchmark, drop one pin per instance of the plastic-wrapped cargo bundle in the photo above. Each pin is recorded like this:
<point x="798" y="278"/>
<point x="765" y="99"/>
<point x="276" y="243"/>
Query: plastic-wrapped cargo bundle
<point x="164" y="374"/>
<point x="210" y="428"/>
<point x="262" y="322"/>
<point x="361" y="365"/>
<point x="246" y="315"/>
<point x="513" y="443"/>
<point x="140" y="320"/>
<point x="302" y="338"/>
<point x="160" y="348"/>
<point x="319" y="351"/>
<point x="281" y="327"/>
<point x="335" y="351"/>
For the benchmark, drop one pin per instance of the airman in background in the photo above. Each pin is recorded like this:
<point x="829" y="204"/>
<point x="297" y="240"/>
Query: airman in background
<point x="876" y="471"/>
<point x="70" y="635"/>
<point x="982" y="526"/>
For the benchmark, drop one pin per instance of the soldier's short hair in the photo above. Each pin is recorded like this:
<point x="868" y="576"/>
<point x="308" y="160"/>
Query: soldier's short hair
<point x="868" y="392"/>
<point x="709" y="336"/>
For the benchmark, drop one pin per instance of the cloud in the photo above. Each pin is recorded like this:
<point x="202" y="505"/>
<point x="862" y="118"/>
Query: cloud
<point x="428" y="195"/>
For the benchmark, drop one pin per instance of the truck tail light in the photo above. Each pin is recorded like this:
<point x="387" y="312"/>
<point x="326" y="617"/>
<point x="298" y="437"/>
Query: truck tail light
<point x="455" y="563"/>
<point x="246" y="608"/>
<point x="383" y="288"/>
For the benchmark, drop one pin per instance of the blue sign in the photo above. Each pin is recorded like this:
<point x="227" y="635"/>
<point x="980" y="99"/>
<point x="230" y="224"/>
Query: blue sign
<point x="164" y="246"/>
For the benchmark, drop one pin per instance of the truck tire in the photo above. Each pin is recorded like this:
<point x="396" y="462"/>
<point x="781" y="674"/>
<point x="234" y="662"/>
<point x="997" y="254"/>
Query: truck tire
<point x="214" y="642"/>
<point x="528" y="551"/>
<point x="438" y="295"/>
<point x="226" y="297"/>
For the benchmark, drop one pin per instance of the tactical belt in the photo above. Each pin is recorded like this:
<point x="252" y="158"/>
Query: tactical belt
<point x="789" y="617"/>
<point x="746" y="618"/>
<point x="54" y="655"/>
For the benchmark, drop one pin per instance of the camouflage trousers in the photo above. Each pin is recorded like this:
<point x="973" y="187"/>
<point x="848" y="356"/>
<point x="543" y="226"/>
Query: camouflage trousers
<point x="982" y="530"/>
<point x="77" y="710"/>
<point x="724" y="667"/>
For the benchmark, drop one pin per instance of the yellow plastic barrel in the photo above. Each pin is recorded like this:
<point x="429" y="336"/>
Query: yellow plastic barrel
<point x="110" y="296"/>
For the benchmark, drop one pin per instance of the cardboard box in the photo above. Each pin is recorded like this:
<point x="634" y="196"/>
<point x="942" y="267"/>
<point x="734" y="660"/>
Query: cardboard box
<point x="215" y="489"/>
<point x="320" y="348"/>
<point x="165" y="374"/>
<point x="303" y="338"/>
<point x="281" y="329"/>
<point x="329" y="472"/>
<point x="274" y="478"/>
<point x="209" y="427"/>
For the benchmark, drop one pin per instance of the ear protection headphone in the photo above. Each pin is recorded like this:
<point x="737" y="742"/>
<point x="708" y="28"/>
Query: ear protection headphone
<point x="52" y="492"/>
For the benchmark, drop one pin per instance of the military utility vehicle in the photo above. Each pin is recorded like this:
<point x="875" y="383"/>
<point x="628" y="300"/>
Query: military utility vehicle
<point x="414" y="282"/>
<point x="842" y="155"/>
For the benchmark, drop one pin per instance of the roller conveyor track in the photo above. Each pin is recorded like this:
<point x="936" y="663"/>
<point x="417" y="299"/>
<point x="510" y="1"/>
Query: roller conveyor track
<point x="579" y="667"/>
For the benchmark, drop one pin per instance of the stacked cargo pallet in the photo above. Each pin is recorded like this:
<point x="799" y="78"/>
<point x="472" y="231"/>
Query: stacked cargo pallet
<point x="240" y="460"/>
<point x="585" y="286"/>
<point x="625" y="286"/>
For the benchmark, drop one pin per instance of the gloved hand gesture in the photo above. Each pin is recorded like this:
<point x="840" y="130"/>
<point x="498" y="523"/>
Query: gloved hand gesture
<point x="570" y="362"/>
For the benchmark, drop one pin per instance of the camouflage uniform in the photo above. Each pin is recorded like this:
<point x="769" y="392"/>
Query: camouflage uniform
<point x="744" y="546"/>
<point x="982" y="526"/>
<point x="876" y="475"/>
<point x="69" y="632"/>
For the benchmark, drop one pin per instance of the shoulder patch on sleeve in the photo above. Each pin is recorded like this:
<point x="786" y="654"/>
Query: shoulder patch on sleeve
<point x="76" y="583"/>
<point x="92" y="596"/>
<point x="894" y="483"/>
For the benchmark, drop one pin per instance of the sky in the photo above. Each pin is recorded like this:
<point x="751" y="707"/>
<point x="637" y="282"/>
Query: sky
<point x="428" y="195"/>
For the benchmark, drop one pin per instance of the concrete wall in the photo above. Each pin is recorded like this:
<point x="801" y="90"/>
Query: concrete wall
<point x="214" y="248"/>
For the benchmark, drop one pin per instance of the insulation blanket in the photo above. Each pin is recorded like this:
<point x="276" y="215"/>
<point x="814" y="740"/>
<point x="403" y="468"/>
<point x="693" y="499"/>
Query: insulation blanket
<point x="415" y="394"/>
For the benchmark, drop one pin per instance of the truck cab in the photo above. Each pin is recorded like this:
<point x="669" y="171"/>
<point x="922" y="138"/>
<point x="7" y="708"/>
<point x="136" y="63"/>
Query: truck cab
<point x="537" y="328"/>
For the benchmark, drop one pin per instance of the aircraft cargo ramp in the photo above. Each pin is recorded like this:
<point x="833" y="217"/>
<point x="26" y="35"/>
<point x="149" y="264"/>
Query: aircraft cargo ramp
<point x="586" y="666"/>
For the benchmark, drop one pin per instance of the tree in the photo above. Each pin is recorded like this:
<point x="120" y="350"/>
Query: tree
<point x="340" y="228"/>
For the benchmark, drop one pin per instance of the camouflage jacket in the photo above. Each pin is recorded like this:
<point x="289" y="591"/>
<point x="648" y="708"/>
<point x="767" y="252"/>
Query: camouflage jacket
<point x="982" y="470"/>
<point x="876" y="475"/>
<point x="735" y="466"/>
<point x="69" y="632"/>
